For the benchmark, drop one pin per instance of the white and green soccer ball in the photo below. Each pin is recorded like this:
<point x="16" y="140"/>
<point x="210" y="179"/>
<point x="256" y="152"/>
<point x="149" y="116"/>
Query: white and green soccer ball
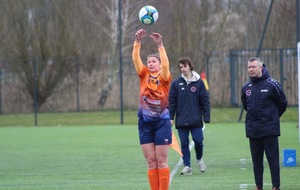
<point x="148" y="15"/>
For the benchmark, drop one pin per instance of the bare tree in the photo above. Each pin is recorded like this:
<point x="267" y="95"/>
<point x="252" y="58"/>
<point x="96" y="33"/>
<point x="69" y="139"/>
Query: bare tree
<point x="39" y="35"/>
<point x="251" y="16"/>
<point x="109" y="30"/>
<point x="198" y="29"/>
<point x="51" y="33"/>
<point x="282" y="23"/>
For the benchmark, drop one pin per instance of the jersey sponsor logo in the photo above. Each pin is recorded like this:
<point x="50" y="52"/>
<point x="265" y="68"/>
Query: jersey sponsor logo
<point x="248" y="92"/>
<point x="152" y="91"/>
<point x="149" y="115"/>
<point x="154" y="114"/>
<point x="151" y="101"/>
<point x="264" y="90"/>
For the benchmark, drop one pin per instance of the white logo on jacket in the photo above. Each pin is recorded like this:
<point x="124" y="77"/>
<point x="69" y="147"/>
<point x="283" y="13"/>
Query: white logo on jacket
<point x="180" y="84"/>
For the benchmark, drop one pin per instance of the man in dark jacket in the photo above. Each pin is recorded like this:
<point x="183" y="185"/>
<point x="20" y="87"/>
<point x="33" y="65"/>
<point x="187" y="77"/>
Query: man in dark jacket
<point x="189" y="102"/>
<point x="265" y="101"/>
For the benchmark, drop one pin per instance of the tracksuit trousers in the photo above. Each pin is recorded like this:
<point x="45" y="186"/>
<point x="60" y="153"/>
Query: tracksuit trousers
<point x="197" y="136"/>
<point x="269" y="146"/>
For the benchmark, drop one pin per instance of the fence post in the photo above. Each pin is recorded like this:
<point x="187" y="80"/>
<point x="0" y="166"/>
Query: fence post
<point x="77" y="84"/>
<point x="0" y="89"/>
<point x="35" y="91"/>
<point x="232" y="78"/>
<point x="281" y="67"/>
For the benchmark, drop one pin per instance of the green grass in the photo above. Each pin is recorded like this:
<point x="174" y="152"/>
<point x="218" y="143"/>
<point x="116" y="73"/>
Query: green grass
<point x="91" y="150"/>
<point x="108" y="157"/>
<point x="218" y="115"/>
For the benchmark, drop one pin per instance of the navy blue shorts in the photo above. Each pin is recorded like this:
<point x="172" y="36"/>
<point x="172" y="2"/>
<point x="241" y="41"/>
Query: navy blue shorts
<point x="157" y="132"/>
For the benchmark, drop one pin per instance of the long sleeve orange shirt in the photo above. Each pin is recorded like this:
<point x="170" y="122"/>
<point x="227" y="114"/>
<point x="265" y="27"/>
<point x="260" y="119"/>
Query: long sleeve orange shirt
<point x="154" y="90"/>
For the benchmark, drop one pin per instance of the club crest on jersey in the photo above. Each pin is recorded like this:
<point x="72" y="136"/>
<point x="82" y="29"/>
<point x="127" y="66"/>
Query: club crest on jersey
<point x="193" y="89"/>
<point x="248" y="92"/>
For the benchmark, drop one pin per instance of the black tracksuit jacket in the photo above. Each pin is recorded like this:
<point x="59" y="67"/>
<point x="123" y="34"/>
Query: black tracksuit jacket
<point x="264" y="101"/>
<point x="189" y="102"/>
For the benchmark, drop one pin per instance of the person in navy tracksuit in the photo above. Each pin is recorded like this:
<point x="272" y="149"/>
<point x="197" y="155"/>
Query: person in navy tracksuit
<point x="189" y="105"/>
<point x="264" y="101"/>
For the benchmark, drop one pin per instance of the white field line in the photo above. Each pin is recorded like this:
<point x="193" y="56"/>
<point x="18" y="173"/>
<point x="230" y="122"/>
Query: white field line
<point x="246" y="186"/>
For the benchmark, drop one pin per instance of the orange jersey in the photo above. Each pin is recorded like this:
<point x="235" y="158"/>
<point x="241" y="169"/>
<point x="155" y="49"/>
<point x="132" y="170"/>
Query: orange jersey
<point x="154" y="90"/>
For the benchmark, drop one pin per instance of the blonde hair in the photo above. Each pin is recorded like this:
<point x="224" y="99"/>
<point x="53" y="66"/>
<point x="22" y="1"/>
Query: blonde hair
<point x="154" y="55"/>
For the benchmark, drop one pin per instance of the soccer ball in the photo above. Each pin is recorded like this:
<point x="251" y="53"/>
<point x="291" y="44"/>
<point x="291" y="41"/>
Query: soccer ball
<point x="148" y="15"/>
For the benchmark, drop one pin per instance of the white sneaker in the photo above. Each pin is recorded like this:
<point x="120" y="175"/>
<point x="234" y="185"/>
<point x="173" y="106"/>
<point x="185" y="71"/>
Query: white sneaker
<point x="186" y="171"/>
<point x="201" y="165"/>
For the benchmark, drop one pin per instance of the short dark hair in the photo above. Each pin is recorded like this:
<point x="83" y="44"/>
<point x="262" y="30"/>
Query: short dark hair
<point x="251" y="59"/>
<point x="185" y="61"/>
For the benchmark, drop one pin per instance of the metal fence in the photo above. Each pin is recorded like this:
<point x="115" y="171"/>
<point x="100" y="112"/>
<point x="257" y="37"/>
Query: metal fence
<point x="281" y="63"/>
<point x="226" y="72"/>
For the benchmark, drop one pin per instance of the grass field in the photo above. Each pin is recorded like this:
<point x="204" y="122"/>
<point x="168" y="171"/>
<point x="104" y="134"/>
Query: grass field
<point x="108" y="156"/>
<point x="218" y="115"/>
